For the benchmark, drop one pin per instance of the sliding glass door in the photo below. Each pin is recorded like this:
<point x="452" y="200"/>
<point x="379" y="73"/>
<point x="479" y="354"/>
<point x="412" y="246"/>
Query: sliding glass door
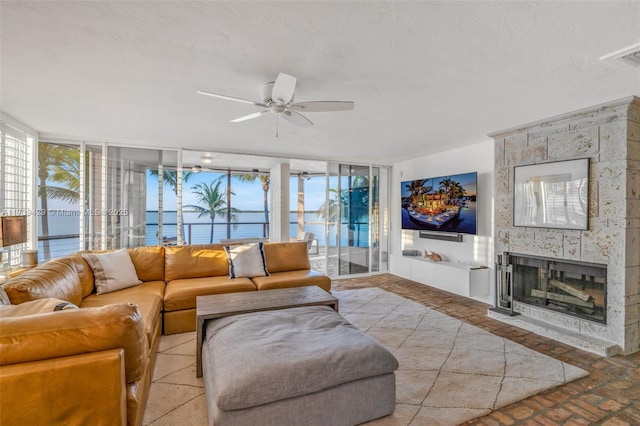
<point x="102" y="196"/>
<point x="59" y="207"/>
<point x="356" y="227"/>
<point x="93" y="226"/>
<point x="143" y="197"/>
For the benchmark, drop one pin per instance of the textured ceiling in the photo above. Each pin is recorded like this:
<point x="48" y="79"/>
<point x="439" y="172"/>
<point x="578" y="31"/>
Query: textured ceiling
<point x="425" y="76"/>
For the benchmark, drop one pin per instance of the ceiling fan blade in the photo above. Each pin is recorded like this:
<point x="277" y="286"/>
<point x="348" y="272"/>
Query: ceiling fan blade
<point x="283" y="88"/>
<point x="250" y="116"/>
<point x="229" y="98"/>
<point x="297" y="119"/>
<point x="322" y="106"/>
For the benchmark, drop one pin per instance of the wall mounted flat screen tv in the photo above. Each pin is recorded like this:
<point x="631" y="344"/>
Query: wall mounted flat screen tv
<point x="444" y="203"/>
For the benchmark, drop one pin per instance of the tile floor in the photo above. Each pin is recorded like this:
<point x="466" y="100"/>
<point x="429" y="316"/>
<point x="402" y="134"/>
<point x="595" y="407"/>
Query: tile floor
<point x="610" y="395"/>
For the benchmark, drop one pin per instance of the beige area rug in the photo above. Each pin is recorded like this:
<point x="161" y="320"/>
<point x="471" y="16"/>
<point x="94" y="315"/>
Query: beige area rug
<point x="450" y="372"/>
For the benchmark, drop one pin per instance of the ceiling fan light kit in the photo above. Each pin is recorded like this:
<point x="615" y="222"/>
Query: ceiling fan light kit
<point x="277" y="98"/>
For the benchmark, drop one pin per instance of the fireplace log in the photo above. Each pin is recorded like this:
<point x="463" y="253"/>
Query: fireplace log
<point x="587" y="310"/>
<point x="562" y="298"/>
<point x="572" y="308"/>
<point x="572" y="291"/>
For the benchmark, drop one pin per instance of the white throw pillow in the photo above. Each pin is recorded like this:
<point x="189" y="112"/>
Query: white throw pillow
<point x="4" y="297"/>
<point x="246" y="260"/>
<point x="113" y="271"/>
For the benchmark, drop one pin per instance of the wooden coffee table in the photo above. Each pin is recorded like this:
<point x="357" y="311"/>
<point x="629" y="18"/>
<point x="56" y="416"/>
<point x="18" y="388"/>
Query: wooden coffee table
<point x="224" y="305"/>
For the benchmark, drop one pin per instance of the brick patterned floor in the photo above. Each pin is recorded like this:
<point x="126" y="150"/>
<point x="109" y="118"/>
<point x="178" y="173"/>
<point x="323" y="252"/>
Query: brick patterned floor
<point x="609" y="396"/>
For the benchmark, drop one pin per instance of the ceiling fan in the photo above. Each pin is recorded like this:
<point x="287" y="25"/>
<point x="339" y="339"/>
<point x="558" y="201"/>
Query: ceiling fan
<point x="277" y="98"/>
<point x="196" y="168"/>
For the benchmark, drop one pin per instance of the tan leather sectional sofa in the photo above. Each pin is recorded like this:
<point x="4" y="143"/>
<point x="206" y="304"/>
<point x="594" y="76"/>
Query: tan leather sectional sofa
<point x="94" y="365"/>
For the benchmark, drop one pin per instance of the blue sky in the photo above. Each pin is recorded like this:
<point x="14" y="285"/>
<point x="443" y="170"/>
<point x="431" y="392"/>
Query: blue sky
<point x="247" y="195"/>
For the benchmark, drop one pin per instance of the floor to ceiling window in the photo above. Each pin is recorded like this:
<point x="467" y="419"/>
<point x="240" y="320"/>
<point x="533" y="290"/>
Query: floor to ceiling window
<point x="250" y="203"/>
<point x="105" y="196"/>
<point x="357" y="219"/>
<point x="59" y="199"/>
<point x="220" y="205"/>
<point x="94" y="201"/>
<point x="16" y="196"/>
<point x="142" y="197"/>
<point x="307" y="196"/>
<point x="93" y="167"/>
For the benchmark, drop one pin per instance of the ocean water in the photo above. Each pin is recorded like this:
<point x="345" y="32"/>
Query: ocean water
<point x="197" y="230"/>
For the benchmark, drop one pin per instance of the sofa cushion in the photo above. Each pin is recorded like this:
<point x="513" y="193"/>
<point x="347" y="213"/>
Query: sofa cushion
<point x="85" y="274"/>
<point x="291" y="256"/>
<point x="181" y="294"/>
<point x="77" y="331"/>
<point x="34" y="307"/>
<point x="195" y="261"/>
<point x="57" y="278"/>
<point x="246" y="260"/>
<point x="293" y="279"/>
<point x="112" y="271"/>
<point x="149" y="262"/>
<point x="148" y="296"/>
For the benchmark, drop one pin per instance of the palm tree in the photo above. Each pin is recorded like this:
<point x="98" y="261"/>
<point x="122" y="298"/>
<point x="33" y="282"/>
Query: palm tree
<point x="61" y="165"/>
<point x="170" y="177"/>
<point x="214" y="202"/>
<point x="330" y="212"/>
<point x="454" y="190"/>
<point x="265" y="180"/>
<point x="458" y="192"/>
<point x="415" y="188"/>
<point x="357" y="198"/>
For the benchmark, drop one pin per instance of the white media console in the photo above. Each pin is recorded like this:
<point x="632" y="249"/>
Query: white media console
<point x="455" y="277"/>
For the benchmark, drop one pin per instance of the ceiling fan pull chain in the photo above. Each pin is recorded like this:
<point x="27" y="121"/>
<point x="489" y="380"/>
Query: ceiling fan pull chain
<point x="277" y="126"/>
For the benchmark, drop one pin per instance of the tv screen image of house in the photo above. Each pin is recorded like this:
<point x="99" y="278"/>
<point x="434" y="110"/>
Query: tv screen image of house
<point x="444" y="203"/>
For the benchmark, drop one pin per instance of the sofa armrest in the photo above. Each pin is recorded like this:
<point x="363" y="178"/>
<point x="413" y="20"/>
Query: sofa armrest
<point x="77" y="331"/>
<point x="79" y="389"/>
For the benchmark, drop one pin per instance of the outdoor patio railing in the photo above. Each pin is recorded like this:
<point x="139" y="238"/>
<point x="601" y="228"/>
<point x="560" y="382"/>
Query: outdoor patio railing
<point x="199" y="233"/>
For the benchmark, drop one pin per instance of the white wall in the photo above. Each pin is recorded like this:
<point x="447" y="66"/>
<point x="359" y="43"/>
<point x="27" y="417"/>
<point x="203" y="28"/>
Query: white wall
<point x="477" y="249"/>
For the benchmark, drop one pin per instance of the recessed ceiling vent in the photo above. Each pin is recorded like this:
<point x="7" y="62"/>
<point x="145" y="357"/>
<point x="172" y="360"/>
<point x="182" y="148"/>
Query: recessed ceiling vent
<point x="627" y="56"/>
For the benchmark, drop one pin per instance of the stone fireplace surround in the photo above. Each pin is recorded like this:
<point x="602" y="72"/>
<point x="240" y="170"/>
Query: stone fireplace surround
<point x="609" y="135"/>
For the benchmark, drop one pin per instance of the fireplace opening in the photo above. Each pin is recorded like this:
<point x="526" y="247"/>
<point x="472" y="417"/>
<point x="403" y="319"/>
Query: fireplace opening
<point x="574" y="288"/>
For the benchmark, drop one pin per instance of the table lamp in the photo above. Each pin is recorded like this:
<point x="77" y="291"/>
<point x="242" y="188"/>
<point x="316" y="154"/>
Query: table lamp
<point x="13" y="230"/>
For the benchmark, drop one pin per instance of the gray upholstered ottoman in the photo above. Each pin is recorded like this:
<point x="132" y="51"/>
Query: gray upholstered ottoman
<point x="299" y="366"/>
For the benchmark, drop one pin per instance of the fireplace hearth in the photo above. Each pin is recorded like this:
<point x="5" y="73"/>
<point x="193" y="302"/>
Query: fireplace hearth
<point x="588" y="305"/>
<point x="573" y="288"/>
